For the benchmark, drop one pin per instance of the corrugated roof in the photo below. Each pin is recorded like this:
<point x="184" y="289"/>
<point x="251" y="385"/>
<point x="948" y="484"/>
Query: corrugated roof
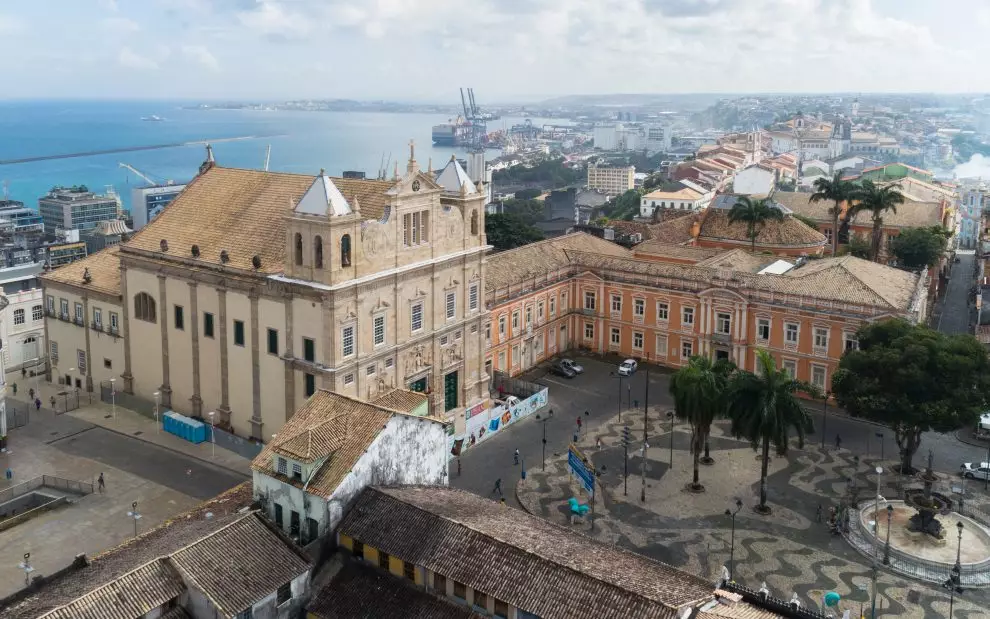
<point x="526" y="561"/>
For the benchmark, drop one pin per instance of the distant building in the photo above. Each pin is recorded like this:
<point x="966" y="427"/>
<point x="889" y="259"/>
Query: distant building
<point x="681" y="199"/>
<point x="61" y="254"/>
<point x="612" y="181"/>
<point x="22" y="328"/>
<point x="148" y="201"/>
<point x="756" y="180"/>
<point x="76" y="207"/>
<point x="23" y="219"/>
<point x="106" y="234"/>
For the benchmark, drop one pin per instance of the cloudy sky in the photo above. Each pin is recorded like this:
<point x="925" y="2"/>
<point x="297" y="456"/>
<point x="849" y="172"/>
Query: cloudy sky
<point x="509" y="50"/>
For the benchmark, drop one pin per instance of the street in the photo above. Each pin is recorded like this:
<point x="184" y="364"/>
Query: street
<point x="597" y="392"/>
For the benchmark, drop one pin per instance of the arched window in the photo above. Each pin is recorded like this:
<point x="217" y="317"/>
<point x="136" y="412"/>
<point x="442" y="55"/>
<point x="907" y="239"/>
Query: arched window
<point x="298" y="249"/>
<point x="474" y="222"/>
<point x="345" y="250"/>
<point x="318" y="252"/>
<point x="144" y="307"/>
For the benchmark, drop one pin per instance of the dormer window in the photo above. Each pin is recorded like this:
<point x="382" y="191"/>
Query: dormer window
<point x="318" y="252"/>
<point x="282" y="466"/>
<point x="296" y="471"/>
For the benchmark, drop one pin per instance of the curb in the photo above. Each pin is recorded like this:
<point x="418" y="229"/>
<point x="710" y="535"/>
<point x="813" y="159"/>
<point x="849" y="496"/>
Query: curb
<point x="172" y="449"/>
<point x="970" y="441"/>
<point x="515" y="493"/>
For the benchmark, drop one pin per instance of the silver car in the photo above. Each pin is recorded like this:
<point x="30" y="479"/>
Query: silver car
<point x="572" y="366"/>
<point x="972" y="470"/>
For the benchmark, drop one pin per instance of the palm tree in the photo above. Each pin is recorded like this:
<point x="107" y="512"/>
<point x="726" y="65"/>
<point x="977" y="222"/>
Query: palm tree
<point x="763" y="408"/>
<point x="838" y="191"/>
<point x="755" y="213"/>
<point x="699" y="389"/>
<point x="877" y="200"/>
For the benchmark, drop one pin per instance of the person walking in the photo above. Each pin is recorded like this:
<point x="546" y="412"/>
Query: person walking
<point x="37" y="404"/>
<point x="818" y="515"/>
<point x="458" y="467"/>
<point x="598" y="443"/>
<point x="498" y="487"/>
<point x="838" y="442"/>
<point x="101" y="484"/>
<point x="516" y="457"/>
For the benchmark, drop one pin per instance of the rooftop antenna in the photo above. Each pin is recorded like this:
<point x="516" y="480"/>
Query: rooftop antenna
<point x="268" y="156"/>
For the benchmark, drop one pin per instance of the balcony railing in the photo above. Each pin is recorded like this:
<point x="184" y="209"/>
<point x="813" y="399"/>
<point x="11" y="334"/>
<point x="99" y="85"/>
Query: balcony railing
<point x="722" y="338"/>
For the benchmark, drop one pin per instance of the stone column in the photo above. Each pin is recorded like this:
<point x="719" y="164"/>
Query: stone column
<point x="224" y="410"/>
<point x="290" y="374"/>
<point x="256" y="421"/>
<point x="89" y="356"/>
<point x="125" y="328"/>
<point x="166" y="388"/>
<point x="197" y="398"/>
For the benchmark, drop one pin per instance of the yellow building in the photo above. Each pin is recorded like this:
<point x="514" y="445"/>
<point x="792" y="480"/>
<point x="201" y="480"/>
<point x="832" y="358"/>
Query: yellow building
<point x="253" y="289"/>
<point x="611" y="180"/>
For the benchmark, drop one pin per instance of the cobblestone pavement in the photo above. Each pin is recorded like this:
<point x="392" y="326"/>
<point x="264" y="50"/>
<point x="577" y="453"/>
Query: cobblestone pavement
<point x="789" y="550"/>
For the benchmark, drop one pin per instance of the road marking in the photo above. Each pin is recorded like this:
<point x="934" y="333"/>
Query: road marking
<point x="571" y="385"/>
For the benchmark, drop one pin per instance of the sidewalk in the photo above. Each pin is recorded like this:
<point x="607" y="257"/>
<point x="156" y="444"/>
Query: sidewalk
<point x="135" y="425"/>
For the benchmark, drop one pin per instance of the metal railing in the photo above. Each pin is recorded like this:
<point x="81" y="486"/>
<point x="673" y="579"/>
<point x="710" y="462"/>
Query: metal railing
<point x="45" y="481"/>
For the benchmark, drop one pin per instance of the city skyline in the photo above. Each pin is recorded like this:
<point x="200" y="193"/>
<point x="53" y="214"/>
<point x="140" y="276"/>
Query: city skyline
<point x="524" y="51"/>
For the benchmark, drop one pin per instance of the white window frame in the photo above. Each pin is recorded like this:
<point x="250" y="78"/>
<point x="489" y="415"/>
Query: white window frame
<point x="51" y="303"/>
<point x="589" y="331"/>
<point x="450" y="305"/>
<point x="638" y="334"/>
<point x="784" y="363"/>
<point x="473" y="298"/>
<point x="540" y="307"/>
<point x="515" y="321"/>
<point x="726" y="318"/>
<point x="689" y="347"/>
<point x="378" y="328"/>
<point x="114" y="321"/>
<point x="615" y="336"/>
<point x="348" y="344"/>
<point x="553" y="306"/>
<point x="20" y="316"/>
<point x="821" y="335"/>
<point x="616" y="304"/>
<point x="661" y="345"/>
<point x="501" y="326"/>
<point x="37" y="313"/>
<point x="824" y="374"/>
<point x="760" y="322"/>
<point x="639" y="308"/>
<point x="685" y="313"/>
<point x="788" y="331"/>
<point x="847" y="339"/>
<point x="663" y="311"/>
<point x="416" y="317"/>
<point x="590" y="300"/>
<point x="98" y="317"/>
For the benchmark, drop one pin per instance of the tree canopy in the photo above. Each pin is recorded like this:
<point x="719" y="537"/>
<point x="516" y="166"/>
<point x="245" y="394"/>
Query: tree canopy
<point x="837" y="191"/>
<point x="914" y="380"/>
<point x="700" y="391"/>
<point x="916" y="248"/>
<point x="550" y="173"/>
<point x="624" y="206"/>
<point x="755" y="213"/>
<point x="878" y="200"/>
<point x="530" y="211"/>
<point x="506" y="231"/>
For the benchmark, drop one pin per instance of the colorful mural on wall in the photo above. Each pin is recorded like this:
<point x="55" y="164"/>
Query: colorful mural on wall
<point x="484" y="423"/>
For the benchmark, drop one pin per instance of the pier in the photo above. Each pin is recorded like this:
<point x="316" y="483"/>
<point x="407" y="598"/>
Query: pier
<point x="129" y="149"/>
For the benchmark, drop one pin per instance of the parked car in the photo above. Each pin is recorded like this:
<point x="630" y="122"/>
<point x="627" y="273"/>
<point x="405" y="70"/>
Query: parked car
<point x="562" y="370"/>
<point x="628" y="367"/>
<point x="569" y="363"/>
<point x="973" y="470"/>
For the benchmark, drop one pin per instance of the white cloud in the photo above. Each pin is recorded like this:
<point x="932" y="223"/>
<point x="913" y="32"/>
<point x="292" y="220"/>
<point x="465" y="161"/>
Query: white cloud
<point x="11" y="25"/>
<point x="274" y="20"/>
<point x="120" y="25"/>
<point x="201" y="55"/>
<point x="109" y="5"/>
<point x="130" y="59"/>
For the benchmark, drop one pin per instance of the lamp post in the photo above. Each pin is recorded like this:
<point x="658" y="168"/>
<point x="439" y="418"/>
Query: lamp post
<point x="646" y="408"/>
<point x="824" y="417"/>
<point x="113" y="397"/>
<point x="135" y="515"/>
<point x="543" y="422"/>
<point x="986" y="478"/>
<point x="732" y="543"/>
<point x="879" y="435"/>
<point x="671" y="415"/>
<point x="886" y="548"/>
<point x="213" y="434"/>
<point x="157" y="395"/>
<point x="619" y="376"/>
<point x="26" y="566"/>
<point x="876" y="535"/>
<point x="956" y="576"/>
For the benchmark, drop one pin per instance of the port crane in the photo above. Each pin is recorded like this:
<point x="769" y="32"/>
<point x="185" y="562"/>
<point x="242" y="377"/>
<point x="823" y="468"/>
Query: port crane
<point x="143" y="175"/>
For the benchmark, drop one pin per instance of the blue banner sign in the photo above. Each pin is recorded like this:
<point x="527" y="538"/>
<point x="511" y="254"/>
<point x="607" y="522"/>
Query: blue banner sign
<point x="580" y="470"/>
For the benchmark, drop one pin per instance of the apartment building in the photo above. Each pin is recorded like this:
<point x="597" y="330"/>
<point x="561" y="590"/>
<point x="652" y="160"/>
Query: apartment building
<point x="351" y="285"/>
<point x="684" y="198"/>
<point x="22" y="330"/>
<point x="76" y="208"/>
<point x="606" y="299"/>
<point x="611" y="180"/>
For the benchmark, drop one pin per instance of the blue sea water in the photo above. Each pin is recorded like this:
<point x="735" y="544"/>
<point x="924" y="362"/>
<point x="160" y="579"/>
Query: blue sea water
<point x="302" y="142"/>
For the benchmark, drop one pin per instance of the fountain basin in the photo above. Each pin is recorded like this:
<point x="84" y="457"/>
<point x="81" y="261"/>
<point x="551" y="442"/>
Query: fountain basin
<point x="975" y="547"/>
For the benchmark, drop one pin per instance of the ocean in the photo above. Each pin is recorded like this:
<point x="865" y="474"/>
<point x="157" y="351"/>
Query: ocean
<point x="301" y="142"/>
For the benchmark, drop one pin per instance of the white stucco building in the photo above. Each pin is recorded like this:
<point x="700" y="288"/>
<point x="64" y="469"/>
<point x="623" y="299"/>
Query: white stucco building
<point x="22" y="329"/>
<point x="756" y="180"/>
<point x="334" y="447"/>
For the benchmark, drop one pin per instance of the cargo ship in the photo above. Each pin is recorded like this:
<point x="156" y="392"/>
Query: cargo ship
<point x="454" y="133"/>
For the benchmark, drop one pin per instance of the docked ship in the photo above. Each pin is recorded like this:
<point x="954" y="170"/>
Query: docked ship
<point x="457" y="132"/>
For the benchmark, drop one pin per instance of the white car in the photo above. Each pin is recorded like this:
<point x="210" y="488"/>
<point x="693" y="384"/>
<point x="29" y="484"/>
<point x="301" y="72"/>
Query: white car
<point x="628" y="367"/>
<point x="572" y="366"/>
<point x="972" y="470"/>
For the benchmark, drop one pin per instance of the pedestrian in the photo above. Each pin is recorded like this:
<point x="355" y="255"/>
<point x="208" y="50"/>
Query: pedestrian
<point x="551" y="412"/>
<point x="516" y="457"/>
<point x="37" y="404"/>
<point x="31" y="393"/>
<point x="24" y="372"/>
<point x="458" y="467"/>
<point x="818" y="515"/>
<point x="14" y="387"/>
<point x="579" y="423"/>
<point x="498" y="487"/>
<point x="838" y="441"/>
<point x="101" y="484"/>
<point x="598" y="443"/>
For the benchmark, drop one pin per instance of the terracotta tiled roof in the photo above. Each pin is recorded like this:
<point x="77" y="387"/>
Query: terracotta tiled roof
<point x="160" y="542"/>
<point x="243" y="212"/>
<point x="240" y="564"/>
<point x="130" y="595"/>
<point x="845" y="279"/>
<point x="787" y="233"/>
<point x="359" y="591"/>
<point x="675" y="231"/>
<point x="523" y="560"/>
<point x="329" y="424"/>
<point x="910" y="214"/>
<point x="659" y="249"/>
<point x="536" y="259"/>
<point x="104" y="272"/>
<point x="738" y="260"/>
<point x="401" y="400"/>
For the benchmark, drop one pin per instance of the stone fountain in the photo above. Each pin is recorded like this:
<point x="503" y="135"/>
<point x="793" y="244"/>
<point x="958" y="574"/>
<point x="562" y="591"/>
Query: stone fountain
<point x="927" y="504"/>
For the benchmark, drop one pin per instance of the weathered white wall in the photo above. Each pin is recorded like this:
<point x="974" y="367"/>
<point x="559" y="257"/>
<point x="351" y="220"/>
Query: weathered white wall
<point x="753" y="181"/>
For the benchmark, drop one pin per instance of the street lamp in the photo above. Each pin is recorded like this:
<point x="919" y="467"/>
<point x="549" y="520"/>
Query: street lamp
<point x="26" y="566"/>
<point x="986" y="478"/>
<point x="876" y="536"/>
<point x="613" y="374"/>
<point x="956" y="577"/>
<point x="879" y="435"/>
<point x="544" y="423"/>
<point x="113" y="397"/>
<point x="886" y="548"/>
<point x="824" y="417"/>
<point x="646" y="409"/>
<point x="157" y="395"/>
<point x="135" y="515"/>
<point x="732" y="544"/>
<point x="671" y="415"/>
<point x="213" y="433"/>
